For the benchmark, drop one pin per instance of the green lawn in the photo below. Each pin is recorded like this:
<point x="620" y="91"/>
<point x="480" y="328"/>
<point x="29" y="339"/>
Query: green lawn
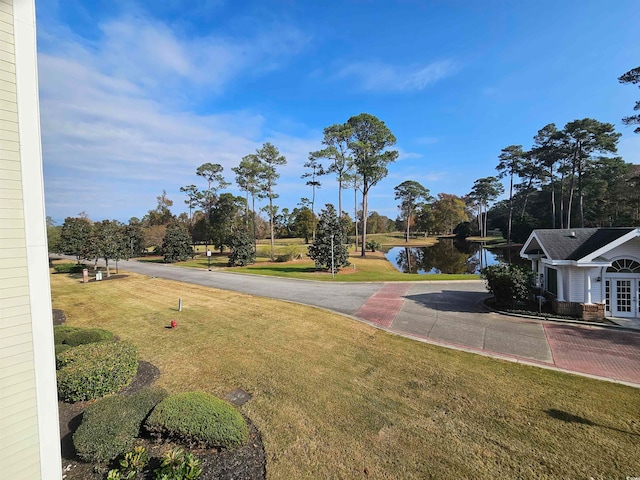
<point x="335" y="398"/>
<point x="372" y="268"/>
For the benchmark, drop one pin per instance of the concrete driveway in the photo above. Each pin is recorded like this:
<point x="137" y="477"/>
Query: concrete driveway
<point x="443" y="313"/>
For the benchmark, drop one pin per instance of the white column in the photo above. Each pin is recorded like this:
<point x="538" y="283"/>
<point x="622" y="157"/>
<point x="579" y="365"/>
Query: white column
<point x="587" y="286"/>
<point x="560" y="285"/>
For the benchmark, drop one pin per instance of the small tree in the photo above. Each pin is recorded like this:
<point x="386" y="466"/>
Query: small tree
<point x="509" y="284"/>
<point x="242" y="252"/>
<point x="330" y="233"/>
<point x="74" y="237"/>
<point x="176" y="246"/>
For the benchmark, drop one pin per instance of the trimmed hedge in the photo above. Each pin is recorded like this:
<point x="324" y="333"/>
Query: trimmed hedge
<point x="62" y="332"/>
<point x="59" y="348"/>
<point x="198" y="418"/>
<point x="89" y="335"/>
<point x="95" y="370"/>
<point x="69" y="267"/>
<point x="110" y="426"/>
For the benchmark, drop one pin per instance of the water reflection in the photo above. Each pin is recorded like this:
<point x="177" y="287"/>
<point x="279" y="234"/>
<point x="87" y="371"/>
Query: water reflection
<point x="449" y="255"/>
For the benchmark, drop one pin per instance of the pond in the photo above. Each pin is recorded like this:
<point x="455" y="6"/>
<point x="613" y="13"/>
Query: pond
<point x="451" y="255"/>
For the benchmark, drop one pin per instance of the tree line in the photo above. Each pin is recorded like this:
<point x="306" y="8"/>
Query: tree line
<point x="567" y="177"/>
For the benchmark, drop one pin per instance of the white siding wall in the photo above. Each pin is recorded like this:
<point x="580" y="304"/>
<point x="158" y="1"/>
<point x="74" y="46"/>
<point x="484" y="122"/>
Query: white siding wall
<point x="29" y="434"/>
<point x="631" y="249"/>
<point x="574" y="291"/>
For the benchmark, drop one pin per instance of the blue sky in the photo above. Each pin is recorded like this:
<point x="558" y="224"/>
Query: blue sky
<point x="135" y="95"/>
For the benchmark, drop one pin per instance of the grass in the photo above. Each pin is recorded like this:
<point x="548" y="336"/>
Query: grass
<point x="372" y="268"/>
<point x="335" y="398"/>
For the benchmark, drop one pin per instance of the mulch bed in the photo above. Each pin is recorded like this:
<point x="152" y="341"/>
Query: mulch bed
<point x="245" y="463"/>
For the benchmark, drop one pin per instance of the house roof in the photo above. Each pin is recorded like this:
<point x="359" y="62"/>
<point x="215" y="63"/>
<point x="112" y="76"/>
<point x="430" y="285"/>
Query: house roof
<point x="572" y="244"/>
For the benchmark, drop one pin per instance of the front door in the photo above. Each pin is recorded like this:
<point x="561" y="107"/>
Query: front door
<point x="625" y="297"/>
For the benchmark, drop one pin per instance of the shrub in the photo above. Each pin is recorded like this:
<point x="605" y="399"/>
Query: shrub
<point x="69" y="268"/>
<point x="373" y="245"/>
<point x="110" y="425"/>
<point x="62" y="332"/>
<point x="61" y="347"/>
<point x="198" y="418"/>
<point x="178" y="465"/>
<point x="83" y="336"/>
<point x="509" y="284"/>
<point x="242" y="252"/>
<point x="95" y="370"/>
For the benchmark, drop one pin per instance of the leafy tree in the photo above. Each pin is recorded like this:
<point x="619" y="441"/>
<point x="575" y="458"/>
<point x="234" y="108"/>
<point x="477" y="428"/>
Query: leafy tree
<point x="511" y="163"/>
<point x="161" y="215"/>
<point x="632" y="77"/>
<point x="212" y="173"/>
<point x="583" y="138"/>
<point x="410" y="193"/>
<point x="425" y="220"/>
<point x="303" y="223"/>
<point x="53" y="238"/>
<point x="134" y="235"/>
<point x="369" y="142"/>
<point x="448" y="211"/>
<point x="315" y="170"/>
<point x="336" y="140"/>
<point x="74" y="236"/>
<point x="242" y="251"/>
<point x="270" y="159"/>
<point x="109" y="242"/>
<point x="330" y="234"/>
<point x="249" y="177"/>
<point x="485" y="190"/>
<point x="176" y="246"/>
<point x="225" y="216"/>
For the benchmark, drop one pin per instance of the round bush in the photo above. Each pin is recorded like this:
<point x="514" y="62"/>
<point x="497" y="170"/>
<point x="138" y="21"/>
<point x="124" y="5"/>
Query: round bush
<point x="59" y="348"/>
<point x="62" y="332"/>
<point x="83" y="336"/>
<point x="95" y="370"/>
<point x="110" y="426"/>
<point x="198" y="418"/>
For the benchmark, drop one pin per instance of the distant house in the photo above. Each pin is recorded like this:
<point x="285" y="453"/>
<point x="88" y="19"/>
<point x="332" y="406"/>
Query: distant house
<point x="29" y="432"/>
<point x="589" y="272"/>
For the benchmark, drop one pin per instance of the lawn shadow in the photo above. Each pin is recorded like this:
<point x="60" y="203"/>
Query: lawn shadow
<point x="571" y="418"/>
<point x="451" y="301"/>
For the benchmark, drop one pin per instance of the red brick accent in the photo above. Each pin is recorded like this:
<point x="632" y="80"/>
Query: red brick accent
<point x="591" y="312"/>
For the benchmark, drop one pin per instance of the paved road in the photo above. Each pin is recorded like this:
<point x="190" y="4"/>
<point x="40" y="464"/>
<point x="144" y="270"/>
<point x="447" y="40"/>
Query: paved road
<point x="444" y="313"/>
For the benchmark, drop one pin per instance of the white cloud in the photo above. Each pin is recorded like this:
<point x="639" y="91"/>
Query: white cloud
<point x="116" y="130"/>
<point x="382" y="77"/>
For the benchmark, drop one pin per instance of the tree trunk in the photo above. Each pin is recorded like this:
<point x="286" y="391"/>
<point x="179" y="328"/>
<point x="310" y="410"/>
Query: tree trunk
<point x="271" y="224"/>
<point x="253" y="208"/>
<point x="510" y="208"/>
<point x="580" y="197"/>
<point x="106" y="262"/>
<point x="340" y="197"/>
<point x="313" y="215"/>
<point x="571" y="189"/>
<point x="553" y="198"/>
<point x="408" y="220"/>
<point x="355" y="214"/>
<point x="363" y="250"/>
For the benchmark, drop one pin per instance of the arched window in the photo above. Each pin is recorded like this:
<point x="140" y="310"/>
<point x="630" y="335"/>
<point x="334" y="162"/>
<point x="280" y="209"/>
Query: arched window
<point x="624" y="265"/>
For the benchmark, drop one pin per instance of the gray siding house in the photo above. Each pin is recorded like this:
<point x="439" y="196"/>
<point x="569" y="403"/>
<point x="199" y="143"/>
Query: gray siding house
<point x="29" y="431"/>
<point x="589" y="272"/>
